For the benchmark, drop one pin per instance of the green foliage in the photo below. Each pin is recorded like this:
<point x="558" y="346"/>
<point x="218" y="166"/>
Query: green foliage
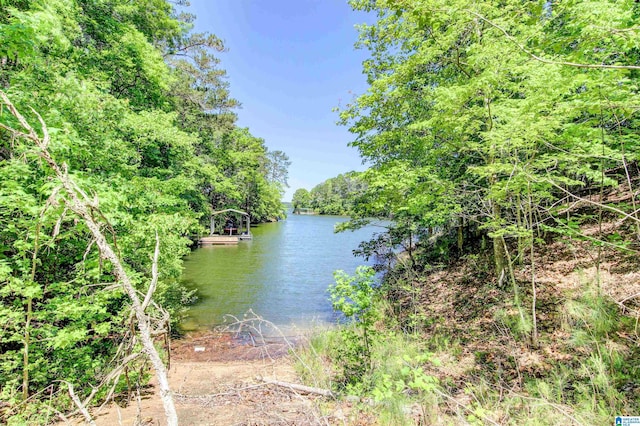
<point x="369" y="363"/>
<point x="140" y="113"/>
<point x="411" y="377"/>
<point x="466" y="127"/>
<point x="301" y="199"/>
<point x="503" y="124"/>
<point x="399" y="377"/>
<point x="354" y="297"/>
<point x="335" y="196"/>
<point x="16" y="40"/>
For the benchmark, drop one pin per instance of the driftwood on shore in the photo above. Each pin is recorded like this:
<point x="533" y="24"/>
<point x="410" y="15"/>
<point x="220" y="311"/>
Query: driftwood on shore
<point x="297" y="387"/>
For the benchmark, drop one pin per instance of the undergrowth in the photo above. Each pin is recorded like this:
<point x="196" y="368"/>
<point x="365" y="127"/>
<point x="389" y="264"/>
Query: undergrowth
<point x="477" y="369"/>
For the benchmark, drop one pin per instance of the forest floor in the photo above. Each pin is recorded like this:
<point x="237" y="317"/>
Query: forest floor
<point x="477" y="318"/>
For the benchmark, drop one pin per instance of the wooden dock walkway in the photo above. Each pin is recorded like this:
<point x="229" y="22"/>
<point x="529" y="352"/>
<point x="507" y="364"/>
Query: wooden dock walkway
<point x="223" y="239"/>
<point x="219" y="239"/>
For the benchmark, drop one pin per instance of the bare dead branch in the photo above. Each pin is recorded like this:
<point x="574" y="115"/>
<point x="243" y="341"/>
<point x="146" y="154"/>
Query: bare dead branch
<point x="56" y="228"/>
<point x="79" y="404"/>
<point x="82" y="206"/>
<point x="45" y="131"/>
<point x="297" y="387"/>
<point x="154" y="274"/>
<point x="595" y="203"/>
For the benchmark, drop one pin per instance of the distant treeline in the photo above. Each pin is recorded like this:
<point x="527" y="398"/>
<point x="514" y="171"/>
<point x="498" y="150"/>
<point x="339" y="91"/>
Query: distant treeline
<point x="336" y="195"/>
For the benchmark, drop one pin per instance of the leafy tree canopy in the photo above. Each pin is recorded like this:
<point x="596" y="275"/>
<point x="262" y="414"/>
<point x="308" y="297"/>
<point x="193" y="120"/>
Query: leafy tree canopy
<point x="140" y="112"/>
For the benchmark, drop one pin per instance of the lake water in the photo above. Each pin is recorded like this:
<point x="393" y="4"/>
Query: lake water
<point x="282" y="274"/>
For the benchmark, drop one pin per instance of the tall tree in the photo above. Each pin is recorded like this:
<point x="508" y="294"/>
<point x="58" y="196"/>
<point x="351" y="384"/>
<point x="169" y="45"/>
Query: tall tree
<point x="489" y="114"/>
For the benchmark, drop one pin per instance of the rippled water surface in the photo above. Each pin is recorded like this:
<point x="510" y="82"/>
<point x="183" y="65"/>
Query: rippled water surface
<point x="282" y="274"/>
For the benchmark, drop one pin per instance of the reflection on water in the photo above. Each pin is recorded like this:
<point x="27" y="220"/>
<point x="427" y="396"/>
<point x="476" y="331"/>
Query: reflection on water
<point x="282" y="274"/>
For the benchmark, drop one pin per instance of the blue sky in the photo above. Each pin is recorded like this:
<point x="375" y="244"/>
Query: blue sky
<point x="289" y="63"/>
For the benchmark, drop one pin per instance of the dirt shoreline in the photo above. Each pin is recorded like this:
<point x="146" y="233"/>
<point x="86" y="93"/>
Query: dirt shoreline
<point x="216" y="380"/>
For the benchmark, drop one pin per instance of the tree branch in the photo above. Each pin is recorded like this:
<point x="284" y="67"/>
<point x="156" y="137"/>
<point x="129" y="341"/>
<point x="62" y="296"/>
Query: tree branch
<point x="154" y="275"/>
<point x="79" y="202"/>
<point x="79" y="404"/>
<point x="297" y="387"/>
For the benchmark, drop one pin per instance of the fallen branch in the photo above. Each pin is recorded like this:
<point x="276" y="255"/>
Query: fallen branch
<point x="254" y="322"/>
<point x="233" y="392"/>
<point x="80" y="405"/>
<point x="297" y="387"/>
<point x="82" y="205"/>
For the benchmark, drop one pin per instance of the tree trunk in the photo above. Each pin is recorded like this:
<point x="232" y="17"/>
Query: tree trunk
<point x="460" y="234"/>
<point x="499" y="254"/>
<point x="534" y="289"/>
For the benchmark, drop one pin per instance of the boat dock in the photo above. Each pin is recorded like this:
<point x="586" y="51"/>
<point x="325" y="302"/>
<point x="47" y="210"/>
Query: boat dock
<point x="227" y="231"/>
<point x="223" y="239"/>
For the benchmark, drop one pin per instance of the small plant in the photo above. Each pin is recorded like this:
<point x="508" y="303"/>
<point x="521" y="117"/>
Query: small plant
<point x="354" y="296"/>
<point x="516" y="319"/>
